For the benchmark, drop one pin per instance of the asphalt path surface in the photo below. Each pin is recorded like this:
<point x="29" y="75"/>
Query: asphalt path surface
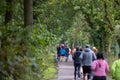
<point x="66" y="70"/>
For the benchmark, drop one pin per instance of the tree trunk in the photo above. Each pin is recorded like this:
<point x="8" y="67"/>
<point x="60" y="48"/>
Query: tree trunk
<point x="118" y="40"/>
<point x="9" y="11"/>
<point x="28" y="13"/>
<point x="3" y="44"/>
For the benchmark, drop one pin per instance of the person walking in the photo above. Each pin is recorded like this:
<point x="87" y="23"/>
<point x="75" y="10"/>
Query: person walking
<point x="116" y="68"/>
<point x="67" y="53"/>
<point x="95" y="50"/>
<point x="62" y="52"/>
<point x="100" y="68"/>
<point x="77" y="62"/>
<point x="72" y="50"/>
<point x="87" y="58"/>
<point x="58" y="53"/>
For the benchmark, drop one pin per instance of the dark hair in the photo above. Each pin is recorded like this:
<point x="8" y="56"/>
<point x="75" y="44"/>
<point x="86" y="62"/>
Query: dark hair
<point x="81" y="49"/>
<point x="100" y="55"/>
<point x="87" y="46"/>
<point x="77" y="48"/>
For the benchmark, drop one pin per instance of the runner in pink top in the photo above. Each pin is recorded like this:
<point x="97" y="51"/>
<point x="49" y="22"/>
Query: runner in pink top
<point x="100" y="68"/>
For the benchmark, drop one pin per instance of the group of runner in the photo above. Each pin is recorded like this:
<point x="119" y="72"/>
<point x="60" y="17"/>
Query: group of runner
<point x="62" y="53"/>
<point x="92" y="63"/>
<point x="83" y="58"/>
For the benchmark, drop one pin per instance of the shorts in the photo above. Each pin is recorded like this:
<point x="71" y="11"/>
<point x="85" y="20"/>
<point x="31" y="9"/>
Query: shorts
<point x="87" y="69"/>
<point x="62" y="54"/>
<point x="99" y="78"/>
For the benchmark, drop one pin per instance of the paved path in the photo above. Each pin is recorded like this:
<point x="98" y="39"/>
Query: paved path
<point x="66" y="70"/>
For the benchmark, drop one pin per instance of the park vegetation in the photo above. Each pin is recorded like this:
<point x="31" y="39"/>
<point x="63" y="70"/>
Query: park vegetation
<point x="30" y="30"/>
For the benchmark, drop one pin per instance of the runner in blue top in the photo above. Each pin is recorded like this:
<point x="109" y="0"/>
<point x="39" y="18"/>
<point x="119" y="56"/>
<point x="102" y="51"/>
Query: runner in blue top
<point x="62" y="52"/>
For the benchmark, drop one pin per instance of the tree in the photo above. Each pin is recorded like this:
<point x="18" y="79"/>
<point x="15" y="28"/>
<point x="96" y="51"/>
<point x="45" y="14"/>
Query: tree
<point x="28" y="13"/>
<point x="100" y="19"/>
<point x="9" y="11"/>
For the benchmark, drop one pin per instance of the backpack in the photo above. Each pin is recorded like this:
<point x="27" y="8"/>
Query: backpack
<point x="62" y="51"/>
<point x="76" y="57"/>
<point x="67" y="50"/>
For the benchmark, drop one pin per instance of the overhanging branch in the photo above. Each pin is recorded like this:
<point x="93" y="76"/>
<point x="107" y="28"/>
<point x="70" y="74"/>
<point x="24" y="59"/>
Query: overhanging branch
<point x="107" y="16"/>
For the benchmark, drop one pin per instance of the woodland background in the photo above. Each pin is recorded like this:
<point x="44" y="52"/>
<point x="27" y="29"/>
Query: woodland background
<point x="30" y="30"/>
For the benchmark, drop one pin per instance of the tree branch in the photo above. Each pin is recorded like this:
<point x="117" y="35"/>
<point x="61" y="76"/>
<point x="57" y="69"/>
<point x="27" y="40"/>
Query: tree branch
<point x="117" y="2"/>
<point x="107" y="16"/>
<point x="87" y="18"/>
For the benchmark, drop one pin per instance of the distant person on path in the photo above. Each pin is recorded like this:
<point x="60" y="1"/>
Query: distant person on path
<point x="100" y="68"/>
<point x="62" y="52"/>
<point x="77" y="62"/>
<point x="72" y="50"/>
<point x="116" y="68"/>
<point x="58" y="53"/>
<point x="95" y="50"/>
<point x="87" y="58"/>
<point x="67" y="53"/>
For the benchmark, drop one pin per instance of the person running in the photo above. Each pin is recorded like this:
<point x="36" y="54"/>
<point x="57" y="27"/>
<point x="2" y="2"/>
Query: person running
<point x="116" y="69"/>
<point x="87" y="58"/>
<point x="100" y="68"/>
<point x="77" y="62"/>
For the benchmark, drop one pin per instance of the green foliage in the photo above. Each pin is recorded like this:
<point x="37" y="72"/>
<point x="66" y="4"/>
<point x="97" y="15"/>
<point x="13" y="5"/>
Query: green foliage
<point x="41" y="48"/>
<point x="28" y="54"/>
<point x="76" y="34"/>
<point x="13" y="47"/>
<point x="100" y="16"/>
<point x="57" y="15"/>
<point x="16" y="62"/>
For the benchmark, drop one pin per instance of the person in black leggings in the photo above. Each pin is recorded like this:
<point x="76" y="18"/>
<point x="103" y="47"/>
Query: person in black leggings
<point x="77" y="62"/>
